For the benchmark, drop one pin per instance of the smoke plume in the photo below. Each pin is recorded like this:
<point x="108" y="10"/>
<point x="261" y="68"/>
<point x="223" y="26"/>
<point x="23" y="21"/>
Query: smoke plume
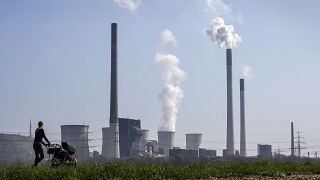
<point x="167" y="37"/>
<point x="223" y="34"/>
<point x="246" y="72"/>
<point x="171" y="94"/>
<point x="218" y="7"/>
<point x="131" y="5"/>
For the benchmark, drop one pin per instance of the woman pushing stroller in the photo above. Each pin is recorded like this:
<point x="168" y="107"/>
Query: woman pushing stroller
<point x="39" y="135"/>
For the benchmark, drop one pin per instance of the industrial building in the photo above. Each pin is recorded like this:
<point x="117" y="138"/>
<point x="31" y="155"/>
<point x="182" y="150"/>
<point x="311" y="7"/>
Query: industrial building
<point x="207" y="152"/>
<point x="191" y="153"/>
<point x="16" y="148"/>
<point x="139" y="145"/>
<point x="152" y="146"/>
<point x="264" y="151"/>
<point x="77" y="135"/>
<point x="184" y="153"/>
<point x="132" y="139"/>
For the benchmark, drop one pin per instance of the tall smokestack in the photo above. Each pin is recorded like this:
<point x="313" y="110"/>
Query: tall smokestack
<point x="114" y="123"/>
<point x="243" y="148"/>
<point x="230" y="138"/>
<point x="292" y="140"/>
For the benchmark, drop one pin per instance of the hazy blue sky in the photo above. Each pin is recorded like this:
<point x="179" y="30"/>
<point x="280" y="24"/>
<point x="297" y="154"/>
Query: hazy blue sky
<point x="55" y="67"/>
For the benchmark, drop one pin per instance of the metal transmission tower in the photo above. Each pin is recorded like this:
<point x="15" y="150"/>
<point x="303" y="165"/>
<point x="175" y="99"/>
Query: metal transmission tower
<point x="299" y="142"/>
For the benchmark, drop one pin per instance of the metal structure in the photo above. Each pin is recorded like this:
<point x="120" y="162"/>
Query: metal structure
<point x="166" y="141"/>
<point x="230" y="137"/>
<point x="77" y="135"/>
<point x="243" y="148"/>
<point x="30" y="126"/>
<point x="292" y="140"/>
<point x="193" y="141"/>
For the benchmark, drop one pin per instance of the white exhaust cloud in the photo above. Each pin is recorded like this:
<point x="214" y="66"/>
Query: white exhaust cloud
<point x="223" y="34"/>
<point x="131" y="5"/>
<point x="218" y="7"/>
<point x="246" y="72"/>
<point x="171" y="94"/>
<point x="167" y="37"/>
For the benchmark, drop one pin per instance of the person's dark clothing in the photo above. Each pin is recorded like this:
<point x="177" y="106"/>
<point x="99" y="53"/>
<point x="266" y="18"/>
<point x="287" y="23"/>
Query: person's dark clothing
<point x="38" y="152"/>
<point x="39" y="135"/>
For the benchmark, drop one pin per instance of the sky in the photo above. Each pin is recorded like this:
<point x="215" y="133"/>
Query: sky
<point x="55" y="67"/>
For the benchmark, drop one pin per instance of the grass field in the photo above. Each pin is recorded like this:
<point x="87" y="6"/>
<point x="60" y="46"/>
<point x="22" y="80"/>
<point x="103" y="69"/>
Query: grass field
<point x="163" y="171"/>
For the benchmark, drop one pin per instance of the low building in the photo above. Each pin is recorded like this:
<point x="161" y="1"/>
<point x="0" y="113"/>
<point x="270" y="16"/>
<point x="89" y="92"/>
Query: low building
<point x="185" y="153"/>
<point x="207" y="152"/>
<point x="190" y="153"/>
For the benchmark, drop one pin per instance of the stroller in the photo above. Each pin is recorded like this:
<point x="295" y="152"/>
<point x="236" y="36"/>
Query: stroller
<point x="62" y="154"/>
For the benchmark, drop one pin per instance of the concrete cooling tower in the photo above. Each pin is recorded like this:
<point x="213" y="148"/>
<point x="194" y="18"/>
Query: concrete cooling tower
<point x="139" y="145"/>
<point x="193" y="141"/>
<point x="166" y="141"/>
<point x="77" y="135"/>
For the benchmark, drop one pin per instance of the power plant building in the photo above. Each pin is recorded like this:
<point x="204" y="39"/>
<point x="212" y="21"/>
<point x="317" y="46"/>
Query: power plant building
<point x="264" y="151"/>
<point x="140" y="143"/>
<point x="77" y="135"/>
<point x="190" y="153"/>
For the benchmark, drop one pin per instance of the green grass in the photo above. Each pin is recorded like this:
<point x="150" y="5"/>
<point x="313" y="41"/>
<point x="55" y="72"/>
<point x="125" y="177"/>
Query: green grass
<point x="161" y="171"/>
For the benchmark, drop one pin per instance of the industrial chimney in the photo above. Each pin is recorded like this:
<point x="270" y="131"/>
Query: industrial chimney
<point x="292" y="140"/>
<point x="230" y="138"/>
<point x="114" y="122"/>
<point x="243" y="148"/>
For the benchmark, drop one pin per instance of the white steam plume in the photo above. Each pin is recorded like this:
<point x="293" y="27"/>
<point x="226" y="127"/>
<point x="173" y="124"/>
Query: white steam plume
<point x="246" y="72"/>
<point x="171" y="94"/>
<point x="167" y="37"/>
<point x="131" y="5"/>
<point x="223" y="34"/>
<point x="218" y="7"/>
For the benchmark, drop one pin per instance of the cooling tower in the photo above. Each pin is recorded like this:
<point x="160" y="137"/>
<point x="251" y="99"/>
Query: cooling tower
<point x="139" y="145"/>
<point x="166" y="141"/>
<point x="77" y="135"/>
<point x="193" y="141"/>
<point x="114" y="122"/>
<point x="243" y="149"/>
<point x="230" y="138"/>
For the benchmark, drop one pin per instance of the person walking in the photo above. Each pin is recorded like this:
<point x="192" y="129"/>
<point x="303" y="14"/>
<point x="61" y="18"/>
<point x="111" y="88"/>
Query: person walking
<point x="39" y="135"/>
